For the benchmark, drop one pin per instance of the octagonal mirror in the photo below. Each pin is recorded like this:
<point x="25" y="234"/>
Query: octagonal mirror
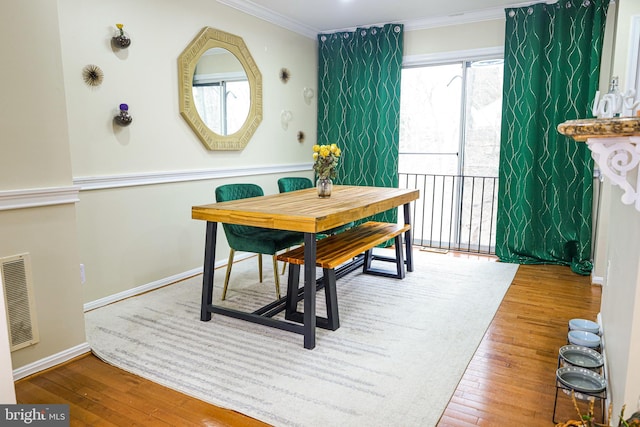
<point x="220" y="90"/>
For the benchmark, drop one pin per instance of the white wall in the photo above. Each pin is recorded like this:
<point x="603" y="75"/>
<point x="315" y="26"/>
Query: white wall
<point x="132" y="236"/>
<point x="36" y="158"/>
<point x="7" y="389"/>
<point x="620" y="309"/>
<point x="476" y="35"/>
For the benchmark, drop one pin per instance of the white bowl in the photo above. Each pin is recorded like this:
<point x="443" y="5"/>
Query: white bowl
<point x="584" y="325"/>
<point x="584" y="338"/>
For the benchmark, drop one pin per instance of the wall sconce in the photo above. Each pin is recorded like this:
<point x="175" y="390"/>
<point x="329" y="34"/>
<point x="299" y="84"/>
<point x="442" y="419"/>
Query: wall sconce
<point x="307" y="94"/>
<point x="123" y="119"/>
<point x="285" y="117"/>
<point x="121" y="40"/>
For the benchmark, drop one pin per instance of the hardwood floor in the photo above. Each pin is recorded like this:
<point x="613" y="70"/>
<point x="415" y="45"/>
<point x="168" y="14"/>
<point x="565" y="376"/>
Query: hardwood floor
<point x="510" y="380"/>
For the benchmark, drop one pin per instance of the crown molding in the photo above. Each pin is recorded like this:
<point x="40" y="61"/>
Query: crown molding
<point x="268" y="15"/>
<point x="455" y="19"/>
<point x="275" y="18"/>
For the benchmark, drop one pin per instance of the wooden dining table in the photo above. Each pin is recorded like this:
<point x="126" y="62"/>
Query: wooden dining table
<point x="302" y="211"/>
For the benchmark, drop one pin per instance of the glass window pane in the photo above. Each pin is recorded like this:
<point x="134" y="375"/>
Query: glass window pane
<point x="430" y="118"/>
<point x="483" y="118"/>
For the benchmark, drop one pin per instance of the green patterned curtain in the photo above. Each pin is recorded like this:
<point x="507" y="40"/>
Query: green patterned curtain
<point x="551" y="72"/>
<point x="359" y="104"/>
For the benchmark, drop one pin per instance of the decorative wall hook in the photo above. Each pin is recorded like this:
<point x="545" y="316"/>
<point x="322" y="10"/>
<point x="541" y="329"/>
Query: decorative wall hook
<point x="121" y="40"/>
<point x="92" y="75"/>
<point x="285" y="75"/>
<point x="285" y="117"/>
<point x="123" y="119"/>
<point x="307" y="94"/>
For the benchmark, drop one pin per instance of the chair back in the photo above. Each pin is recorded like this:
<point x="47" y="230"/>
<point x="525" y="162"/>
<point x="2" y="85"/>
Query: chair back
<point x="293" y="183"/>
<point x="228" y="192"/>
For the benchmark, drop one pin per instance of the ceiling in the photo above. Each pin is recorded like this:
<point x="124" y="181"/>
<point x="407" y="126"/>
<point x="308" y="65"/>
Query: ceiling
<point x="310" y="17"/>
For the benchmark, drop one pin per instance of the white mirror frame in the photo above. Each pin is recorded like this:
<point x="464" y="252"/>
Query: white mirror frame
<point x="209" y="38"/>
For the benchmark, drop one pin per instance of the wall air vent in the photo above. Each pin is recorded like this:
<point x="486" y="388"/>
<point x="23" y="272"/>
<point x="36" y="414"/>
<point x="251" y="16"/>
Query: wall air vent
<point x="19" y="299"/>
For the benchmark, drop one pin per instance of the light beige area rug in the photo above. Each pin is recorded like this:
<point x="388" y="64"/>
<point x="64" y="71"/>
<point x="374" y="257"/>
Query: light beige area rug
<point x="402" y="347"/>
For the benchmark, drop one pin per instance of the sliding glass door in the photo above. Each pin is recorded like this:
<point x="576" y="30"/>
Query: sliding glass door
<point x="449" y="146"/>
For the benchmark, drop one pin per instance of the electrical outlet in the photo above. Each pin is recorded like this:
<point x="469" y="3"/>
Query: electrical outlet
<point x="83" y="278"/>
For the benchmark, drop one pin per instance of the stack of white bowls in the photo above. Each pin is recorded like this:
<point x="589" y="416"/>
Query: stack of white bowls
<point x="584" y="332"/>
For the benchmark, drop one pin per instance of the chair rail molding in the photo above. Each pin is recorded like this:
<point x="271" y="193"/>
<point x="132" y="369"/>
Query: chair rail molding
<point x="87" y="183"/>
<point x="37" y="197"/>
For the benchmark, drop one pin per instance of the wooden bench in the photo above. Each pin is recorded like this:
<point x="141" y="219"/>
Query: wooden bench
<point x="337" y="250"/>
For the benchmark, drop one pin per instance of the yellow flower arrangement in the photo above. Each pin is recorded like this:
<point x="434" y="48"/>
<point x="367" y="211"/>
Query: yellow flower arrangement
<point x="119" y="27"/>
<point x="325" y="158"/>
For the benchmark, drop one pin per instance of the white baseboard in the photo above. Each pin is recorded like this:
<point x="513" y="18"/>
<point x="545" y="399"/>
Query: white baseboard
<point x="605" y="368"/>
<point x="140" y="289"/>
<point x="155" y="285"/>
<point x="597" y="280"/>
<point x="51" y="361"/>
<point x="63" y="356"/>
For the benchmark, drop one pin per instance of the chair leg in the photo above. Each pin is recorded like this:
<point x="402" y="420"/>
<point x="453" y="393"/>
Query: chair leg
<point x="284" y="265"/>
<point x="260" y="266"/>
<point x="276" y="275"/>
<point x="226" y="277"/>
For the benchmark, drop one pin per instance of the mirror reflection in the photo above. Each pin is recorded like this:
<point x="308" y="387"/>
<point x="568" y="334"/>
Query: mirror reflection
<point x="221" y="91"/>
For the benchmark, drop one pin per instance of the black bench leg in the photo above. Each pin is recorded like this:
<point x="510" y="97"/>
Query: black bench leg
<point x="399" y="257"/>
<point x="293" y="284"/>
<point x="366" y="265"/>
<point x="333" y="319"/>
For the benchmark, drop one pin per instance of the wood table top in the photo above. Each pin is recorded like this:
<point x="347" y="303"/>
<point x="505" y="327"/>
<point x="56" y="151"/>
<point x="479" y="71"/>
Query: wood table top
<point x="304" y="211"/>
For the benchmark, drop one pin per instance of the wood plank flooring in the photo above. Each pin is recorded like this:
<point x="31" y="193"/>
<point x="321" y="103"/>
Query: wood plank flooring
<point x="510" y="380"/>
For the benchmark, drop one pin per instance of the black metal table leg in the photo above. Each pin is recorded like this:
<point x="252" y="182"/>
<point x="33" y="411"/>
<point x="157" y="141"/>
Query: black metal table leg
<point x="208" y="269"/>
<point x="309" y="290"/>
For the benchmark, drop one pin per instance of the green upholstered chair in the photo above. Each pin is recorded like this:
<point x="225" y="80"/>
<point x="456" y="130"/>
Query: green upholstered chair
<point x="294" y="183"/>
<point x="253" y="239"/>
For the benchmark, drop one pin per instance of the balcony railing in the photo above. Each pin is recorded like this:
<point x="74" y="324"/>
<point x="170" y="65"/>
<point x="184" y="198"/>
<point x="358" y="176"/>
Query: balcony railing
<point x="454" y="212"/>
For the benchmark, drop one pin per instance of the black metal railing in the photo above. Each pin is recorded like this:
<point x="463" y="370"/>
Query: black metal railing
<point x="454" y="212"/>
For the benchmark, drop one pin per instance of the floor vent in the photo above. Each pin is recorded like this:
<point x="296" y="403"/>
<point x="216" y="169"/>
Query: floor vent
<point x="19" y="299"/>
